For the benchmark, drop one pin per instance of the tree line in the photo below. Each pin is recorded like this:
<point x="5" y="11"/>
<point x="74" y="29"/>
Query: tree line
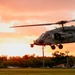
<point x="32" y="61"/>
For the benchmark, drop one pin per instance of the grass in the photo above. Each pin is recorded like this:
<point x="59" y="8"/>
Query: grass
<point x="37" y="71"/>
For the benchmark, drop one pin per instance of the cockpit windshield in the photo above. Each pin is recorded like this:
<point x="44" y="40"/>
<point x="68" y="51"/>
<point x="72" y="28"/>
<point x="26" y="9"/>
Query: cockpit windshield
<point x="45" y="36"/>
<point x="42" y="36"/>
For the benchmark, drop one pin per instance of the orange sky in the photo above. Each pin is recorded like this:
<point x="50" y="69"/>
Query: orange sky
<point x="19" y="12"/>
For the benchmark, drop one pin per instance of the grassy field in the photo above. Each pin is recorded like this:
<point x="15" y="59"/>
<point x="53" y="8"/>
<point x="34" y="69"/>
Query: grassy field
<point x="36" y="71"/>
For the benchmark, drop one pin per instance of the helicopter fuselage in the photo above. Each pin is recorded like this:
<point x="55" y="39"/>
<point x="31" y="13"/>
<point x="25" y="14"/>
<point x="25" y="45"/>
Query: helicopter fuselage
<point x="56" y="37"/>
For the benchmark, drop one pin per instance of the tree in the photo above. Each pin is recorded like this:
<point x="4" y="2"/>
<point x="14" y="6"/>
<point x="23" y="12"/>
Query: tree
<point x="59" y="58"/>
<point x="3" y="61"/>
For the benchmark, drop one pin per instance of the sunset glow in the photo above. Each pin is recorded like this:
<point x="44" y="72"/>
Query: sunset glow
<point x="16" y="41"/>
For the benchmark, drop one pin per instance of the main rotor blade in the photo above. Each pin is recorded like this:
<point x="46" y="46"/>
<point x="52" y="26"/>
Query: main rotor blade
<point x="64" y="22"/>
<point x="71" y="21"/>
<point x="46" y="24"/>
<point x="33" y="25"/>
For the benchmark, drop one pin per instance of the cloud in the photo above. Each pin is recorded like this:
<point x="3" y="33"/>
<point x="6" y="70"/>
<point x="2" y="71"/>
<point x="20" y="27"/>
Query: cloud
<point x="36" y="5"/>
<point x="41" y="9"/>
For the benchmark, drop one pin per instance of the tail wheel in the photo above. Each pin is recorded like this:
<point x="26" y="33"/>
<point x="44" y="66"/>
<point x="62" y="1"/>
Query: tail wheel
<point x="53" y="47"/>
<point x="31" y="45"/>
<point x="60" y="46"/>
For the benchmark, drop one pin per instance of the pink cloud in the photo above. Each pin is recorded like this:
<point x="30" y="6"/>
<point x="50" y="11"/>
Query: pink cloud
<point x="36" y="5"/>
<point x="41" y="9"/>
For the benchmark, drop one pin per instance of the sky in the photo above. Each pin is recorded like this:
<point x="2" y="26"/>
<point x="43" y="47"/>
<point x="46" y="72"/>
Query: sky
<point x="15" y="41"/>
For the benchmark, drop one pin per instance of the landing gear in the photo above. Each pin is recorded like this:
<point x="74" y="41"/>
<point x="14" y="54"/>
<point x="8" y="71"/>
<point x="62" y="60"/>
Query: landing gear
<point x="53" y="47"/>
<point x="60" y="46"/>
<point x="31" y="45"/>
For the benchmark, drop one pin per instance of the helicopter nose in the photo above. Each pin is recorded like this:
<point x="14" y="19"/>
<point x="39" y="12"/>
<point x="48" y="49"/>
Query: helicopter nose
<point x="35" y="41"/>
<point x="38" y="41"/>
<point x="41" y="41"/>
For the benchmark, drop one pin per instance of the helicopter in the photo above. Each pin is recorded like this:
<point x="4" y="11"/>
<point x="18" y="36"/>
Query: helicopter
<point x="55" y="37"/>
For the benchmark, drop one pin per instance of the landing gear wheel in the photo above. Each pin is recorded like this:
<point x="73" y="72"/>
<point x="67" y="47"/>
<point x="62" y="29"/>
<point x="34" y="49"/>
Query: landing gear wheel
<point x="60" y="46"/>
<point x="53" y="47"/>
<point x="31" y="45"/>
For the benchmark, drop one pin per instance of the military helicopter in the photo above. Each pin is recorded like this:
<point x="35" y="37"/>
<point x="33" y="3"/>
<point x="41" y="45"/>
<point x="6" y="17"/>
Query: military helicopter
<point x="55" y="37"/>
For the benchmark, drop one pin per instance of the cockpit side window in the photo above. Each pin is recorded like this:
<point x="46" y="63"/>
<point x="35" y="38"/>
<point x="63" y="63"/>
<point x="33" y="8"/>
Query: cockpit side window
<point x="47" y="36"/>
<point x="42" y="36"/>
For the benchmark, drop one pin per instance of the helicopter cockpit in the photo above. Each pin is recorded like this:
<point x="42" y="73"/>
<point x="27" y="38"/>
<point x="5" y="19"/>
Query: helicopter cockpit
<point x="44" y="36"/>
<point x="40" y="39"/>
